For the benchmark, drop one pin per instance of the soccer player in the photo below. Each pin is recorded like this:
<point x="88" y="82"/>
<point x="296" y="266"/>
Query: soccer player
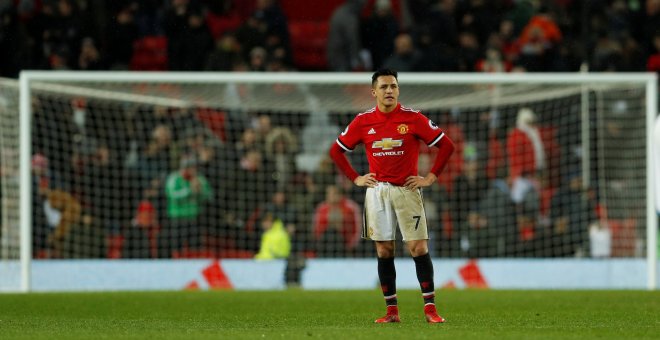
<point x="391" y="134"/>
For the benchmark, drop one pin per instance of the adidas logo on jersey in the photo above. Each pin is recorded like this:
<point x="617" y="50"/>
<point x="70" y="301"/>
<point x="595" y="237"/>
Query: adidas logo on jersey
<point x="371" y="132"/>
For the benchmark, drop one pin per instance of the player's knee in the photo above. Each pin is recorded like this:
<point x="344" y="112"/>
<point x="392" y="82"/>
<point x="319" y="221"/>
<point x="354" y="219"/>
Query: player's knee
<point x="418" y="248"/>
<point x="385" y="249"/>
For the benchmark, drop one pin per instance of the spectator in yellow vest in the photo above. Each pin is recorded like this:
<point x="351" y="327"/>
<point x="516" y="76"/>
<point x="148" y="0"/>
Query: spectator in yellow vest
<point x="275" y="241"/>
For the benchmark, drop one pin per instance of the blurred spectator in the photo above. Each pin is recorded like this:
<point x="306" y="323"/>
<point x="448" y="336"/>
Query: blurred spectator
<point x="607" y="55"/>
<point x="188" y="37"/>
<point x="280" y="207"/>
<point x="247" y="142"/>
<point x="258" y="59"/>
<point x="61" y="31"/>
<point x="176" y="23"/>
<point x="53" y="135"/>
<point x="520" y="14"/>
<point x="270" y="12"/>
<point x="89" y="58"/>
<point x="496" y="221"/>
<point x="249" y="185"/>
<point x="156" y="158"/>
<point x="103" y="186"/>
<point x="281" y="148"/>
<point x="600" y="240"/>
<point x="440" y="18"/>
<point x="320" y="179"/>
<point x="468" y="52"/>
<point x="572" y="212"/>
<point x="406" y="57"/>
<point x="227" y="52"/>
<point x="277" y="41"/>
<point x="262" y="125"/>
<point x="122" y="33"/>
<point x="526" y="195"/>
<point x="197" y="43"/>
<point x="149" y="16"/>
<point x="436" y="56"/>
<point x="623" y="207"/>
<point x="63" y="216"/>
<point x="493" y="62"/>
<point x="252" y="33"/>
<point x="186" y="191"/>
<point x="41" y="221"/>
<point x="344" y="44"/>
<point x="618" y="19"/>
<point x="379" y="32"/>
<point x="275" y="242"/>
<point x="632" y="55"/>
<point x="144" y="226"/>
<point x="481" y="17"/>
<point x="337" y="225"/>
<point x="525" y="146"/>
<point x="468" y="190"/>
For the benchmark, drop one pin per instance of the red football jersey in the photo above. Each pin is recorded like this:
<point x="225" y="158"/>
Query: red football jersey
<point x="391" y="141"/>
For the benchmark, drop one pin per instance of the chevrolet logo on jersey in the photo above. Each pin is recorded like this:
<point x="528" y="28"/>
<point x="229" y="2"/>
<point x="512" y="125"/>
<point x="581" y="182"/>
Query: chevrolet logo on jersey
<point x="387" y="144"/>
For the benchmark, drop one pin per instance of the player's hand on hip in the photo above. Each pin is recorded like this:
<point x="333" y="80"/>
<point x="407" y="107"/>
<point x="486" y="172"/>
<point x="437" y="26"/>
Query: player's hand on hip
<point x="368" y="180"/>
<point x="416" y="182"/>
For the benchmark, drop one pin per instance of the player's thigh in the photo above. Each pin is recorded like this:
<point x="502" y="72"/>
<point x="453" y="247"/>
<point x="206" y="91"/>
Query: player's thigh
<point x="380" y="220"/>
<point x="409" y="210"/>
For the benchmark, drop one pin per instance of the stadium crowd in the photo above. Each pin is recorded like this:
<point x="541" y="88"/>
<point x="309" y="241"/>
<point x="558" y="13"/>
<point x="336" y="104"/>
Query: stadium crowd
<point x="213" y="183"/>
<point x="270" y="35"/>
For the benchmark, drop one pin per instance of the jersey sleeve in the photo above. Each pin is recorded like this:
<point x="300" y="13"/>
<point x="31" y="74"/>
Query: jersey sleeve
<point x="351" y="136"/>
<point x="427" y="130"/>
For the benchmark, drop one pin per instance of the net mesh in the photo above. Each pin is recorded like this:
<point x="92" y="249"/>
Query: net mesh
<point x="9" y="189"/>
<point x="240" y="169"/>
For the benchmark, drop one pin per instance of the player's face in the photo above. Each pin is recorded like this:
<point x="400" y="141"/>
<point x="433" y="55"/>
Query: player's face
<point x="386" y="91"/>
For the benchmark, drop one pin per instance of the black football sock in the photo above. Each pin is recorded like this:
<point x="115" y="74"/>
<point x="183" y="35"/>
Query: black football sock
<point x="387" y="276"/>
<point x="424" y="267"/>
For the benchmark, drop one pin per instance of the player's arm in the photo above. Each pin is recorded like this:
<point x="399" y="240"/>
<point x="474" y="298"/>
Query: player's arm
<point x="446" y="146"/>
<point x="339" y="158"/>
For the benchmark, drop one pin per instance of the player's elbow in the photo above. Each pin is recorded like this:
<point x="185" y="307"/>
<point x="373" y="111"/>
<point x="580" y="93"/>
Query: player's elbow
<point x="449" y="144"/>
<point x="335" y="151"/>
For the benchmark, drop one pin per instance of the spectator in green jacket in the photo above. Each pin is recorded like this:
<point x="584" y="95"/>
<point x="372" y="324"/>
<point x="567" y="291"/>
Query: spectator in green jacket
<point x="186" y="191"/>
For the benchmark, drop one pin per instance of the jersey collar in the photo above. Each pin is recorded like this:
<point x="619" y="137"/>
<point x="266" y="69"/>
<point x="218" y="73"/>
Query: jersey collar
<point x="396" y="109"/>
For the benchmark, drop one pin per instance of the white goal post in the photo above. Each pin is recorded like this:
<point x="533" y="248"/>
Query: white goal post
<point x="325" y="94"/>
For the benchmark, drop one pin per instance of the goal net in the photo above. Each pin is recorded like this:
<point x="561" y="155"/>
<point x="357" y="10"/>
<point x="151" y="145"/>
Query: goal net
<point x="9" y="187"/>
<point x="182" y="165"/>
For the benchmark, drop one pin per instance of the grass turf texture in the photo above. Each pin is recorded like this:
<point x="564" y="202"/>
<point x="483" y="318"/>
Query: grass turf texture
<point x="477" y="314"/>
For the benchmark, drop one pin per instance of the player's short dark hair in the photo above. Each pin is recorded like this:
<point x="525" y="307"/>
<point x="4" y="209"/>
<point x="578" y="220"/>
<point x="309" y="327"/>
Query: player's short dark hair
<point x="383" y="72"/>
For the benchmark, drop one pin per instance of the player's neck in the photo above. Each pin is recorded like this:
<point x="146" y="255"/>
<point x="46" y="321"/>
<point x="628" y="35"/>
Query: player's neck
<point x="387" y="108"/>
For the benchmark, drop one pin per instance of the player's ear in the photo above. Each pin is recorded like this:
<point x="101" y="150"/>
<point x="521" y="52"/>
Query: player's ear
<point x="373" y="92"/>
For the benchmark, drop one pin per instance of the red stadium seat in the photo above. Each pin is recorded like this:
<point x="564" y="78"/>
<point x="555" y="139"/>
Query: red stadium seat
<point x="214" y="121"/>
<point x="302" y="10"/>
<point x="218" y="25"/>
<point x="308" y="42"/>
<point x="149" y="54"/>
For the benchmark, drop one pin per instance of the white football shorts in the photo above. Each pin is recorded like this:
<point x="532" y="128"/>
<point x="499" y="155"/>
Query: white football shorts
<point x="387" y="206"/>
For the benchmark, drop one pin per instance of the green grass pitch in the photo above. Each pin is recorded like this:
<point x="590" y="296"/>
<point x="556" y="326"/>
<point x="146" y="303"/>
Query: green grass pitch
<point x="297" y="314"/>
